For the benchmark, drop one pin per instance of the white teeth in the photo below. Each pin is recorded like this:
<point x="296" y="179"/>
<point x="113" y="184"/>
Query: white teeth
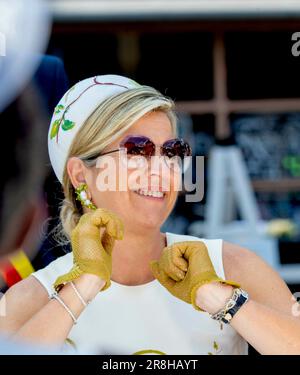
<point x="156" y="194"/>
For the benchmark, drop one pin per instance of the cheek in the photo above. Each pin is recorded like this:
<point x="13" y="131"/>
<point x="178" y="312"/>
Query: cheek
<point x="116" y="180"/>
<point x="175" y="182"/>
<point x="175" y="189"/>
<point x="172" y="200"/>
<point x="114" y="201"/>
<point x="107" y="188"/>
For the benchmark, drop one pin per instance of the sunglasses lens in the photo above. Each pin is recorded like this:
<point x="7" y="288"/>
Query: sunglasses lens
<point x="176" y="147"/>
<point x="138" y="150"/>
<point x="138" y="145"/>
<point x="177" y="154"/>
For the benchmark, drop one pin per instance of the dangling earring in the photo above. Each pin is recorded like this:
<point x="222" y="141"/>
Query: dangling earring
<point x="81" y="195"/>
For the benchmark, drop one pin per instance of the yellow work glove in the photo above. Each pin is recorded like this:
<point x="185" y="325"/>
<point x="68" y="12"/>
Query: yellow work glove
<point x="183" y="267"/>
<point x="92" y="251"/>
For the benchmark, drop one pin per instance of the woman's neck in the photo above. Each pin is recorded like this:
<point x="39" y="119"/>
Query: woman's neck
<point x="131" y="257"/>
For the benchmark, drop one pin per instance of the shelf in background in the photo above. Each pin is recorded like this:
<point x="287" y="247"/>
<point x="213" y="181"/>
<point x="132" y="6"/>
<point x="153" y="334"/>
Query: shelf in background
<point x="277" y="186"/>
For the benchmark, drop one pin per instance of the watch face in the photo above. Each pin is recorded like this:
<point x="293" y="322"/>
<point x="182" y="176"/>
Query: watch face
<point x="228" y="317"/>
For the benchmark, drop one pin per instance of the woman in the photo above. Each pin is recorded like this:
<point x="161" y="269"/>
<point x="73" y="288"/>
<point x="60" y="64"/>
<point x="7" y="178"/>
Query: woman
<point x="148" y="279"/>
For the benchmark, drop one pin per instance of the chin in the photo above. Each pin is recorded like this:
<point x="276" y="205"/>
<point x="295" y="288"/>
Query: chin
<point x="148" y="223"/>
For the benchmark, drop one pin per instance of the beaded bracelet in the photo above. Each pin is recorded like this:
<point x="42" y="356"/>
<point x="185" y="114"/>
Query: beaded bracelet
<point x="79" y="295"/>
<point x="57" y="298"/>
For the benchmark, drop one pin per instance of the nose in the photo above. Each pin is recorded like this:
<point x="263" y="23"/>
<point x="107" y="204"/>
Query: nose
<point x="159" y="173"/>
<point x="157" y="164"/>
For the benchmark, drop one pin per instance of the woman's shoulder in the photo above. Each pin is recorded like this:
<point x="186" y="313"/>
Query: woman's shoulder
<point x="239" y="260"/>
<point x="258" y="278"/>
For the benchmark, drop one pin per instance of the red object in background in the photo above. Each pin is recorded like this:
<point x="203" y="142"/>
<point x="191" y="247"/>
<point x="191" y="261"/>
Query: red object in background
<point x="9" y="274"/>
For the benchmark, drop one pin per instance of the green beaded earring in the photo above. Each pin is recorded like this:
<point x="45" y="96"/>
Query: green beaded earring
<point x="81" y="195"/>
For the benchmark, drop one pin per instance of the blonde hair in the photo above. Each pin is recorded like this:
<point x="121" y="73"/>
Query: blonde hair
<point x="107" y="123"/>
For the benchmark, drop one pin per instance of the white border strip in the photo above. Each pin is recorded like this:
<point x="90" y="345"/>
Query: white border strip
<point x="172" y="9"/>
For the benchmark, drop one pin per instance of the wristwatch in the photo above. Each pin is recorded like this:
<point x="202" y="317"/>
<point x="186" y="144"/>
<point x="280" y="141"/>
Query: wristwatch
<point x="238" y="298"/>
<point x="241" y="299"/>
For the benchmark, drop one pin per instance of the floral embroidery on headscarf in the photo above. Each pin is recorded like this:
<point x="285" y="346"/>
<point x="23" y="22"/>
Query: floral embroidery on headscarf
<point x="67" y="124"/>
<point x="64" y="123"/>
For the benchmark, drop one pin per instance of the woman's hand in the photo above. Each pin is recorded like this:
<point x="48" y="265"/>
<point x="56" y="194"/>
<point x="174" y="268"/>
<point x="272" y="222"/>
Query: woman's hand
<point x="183" y="268"/>
<point x="213" y="297"/>
<point x="92" y="251"/>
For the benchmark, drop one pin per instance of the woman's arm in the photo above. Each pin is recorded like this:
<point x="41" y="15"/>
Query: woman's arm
<point x="268" y="330"/>
<point x="267" y="321"/>
<point x="49" y="322"/>
<point x="46" y="321"/>
<point x="20" y="303"/>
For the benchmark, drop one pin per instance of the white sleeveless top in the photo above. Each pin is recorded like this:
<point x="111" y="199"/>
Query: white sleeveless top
<point x="146" y="318"/>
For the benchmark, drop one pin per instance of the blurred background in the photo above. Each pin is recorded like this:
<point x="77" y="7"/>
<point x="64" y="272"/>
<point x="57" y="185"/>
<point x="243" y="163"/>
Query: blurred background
<point x="232" y="68"/>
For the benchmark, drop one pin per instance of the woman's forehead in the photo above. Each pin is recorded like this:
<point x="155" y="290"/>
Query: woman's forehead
<point x="155" y="125"/>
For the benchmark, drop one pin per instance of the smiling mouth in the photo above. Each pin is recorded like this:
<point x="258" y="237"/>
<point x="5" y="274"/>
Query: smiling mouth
<point x="150" y="194"/>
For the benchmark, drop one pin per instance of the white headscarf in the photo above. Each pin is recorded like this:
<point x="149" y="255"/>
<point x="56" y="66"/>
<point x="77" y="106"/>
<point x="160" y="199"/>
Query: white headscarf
<point x="74" y="108"/>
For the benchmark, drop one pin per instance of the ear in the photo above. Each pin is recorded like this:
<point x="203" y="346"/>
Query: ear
<point x="77" y="171"/>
